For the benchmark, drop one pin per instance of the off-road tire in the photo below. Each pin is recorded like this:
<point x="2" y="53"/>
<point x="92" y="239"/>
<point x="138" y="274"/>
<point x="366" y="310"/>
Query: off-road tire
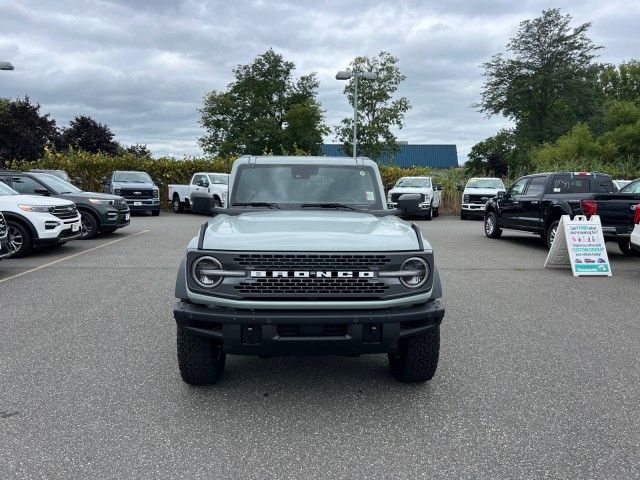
<point x="492" y="230"/>
<point x="625" y="247"/>
<point x="89" y="226"/>
<point x="155" y="213"/>
<point x="177" y="205"/>
<point x="200" y="360"/>
<point x="27" y="240"/>
<point x="549" y="232"/>
<point x="417" y="357"/>
<point x="436" y="212"/>
<point x="463" y="216"/>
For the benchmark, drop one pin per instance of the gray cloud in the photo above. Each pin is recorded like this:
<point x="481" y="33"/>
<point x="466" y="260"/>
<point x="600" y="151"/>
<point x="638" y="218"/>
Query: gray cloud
<point x="143" y="66"/>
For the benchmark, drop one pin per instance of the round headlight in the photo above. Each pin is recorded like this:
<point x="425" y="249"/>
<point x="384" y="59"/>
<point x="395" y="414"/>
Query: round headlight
<point x="421" y="269"/>
<point x="203" y="272"/>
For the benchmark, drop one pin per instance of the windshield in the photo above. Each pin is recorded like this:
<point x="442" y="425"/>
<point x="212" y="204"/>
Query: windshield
<point x="294" y="185"/>
<point x="132" y="177"/>
<point x="219" y="179"/>
<point x="486" y="183"/>
<point x="56" y="184"/>
<point x="6" y="190"/>
<point x="56" y="173"/>
<point x="633" y="187"/>
<point x="414" y="182"/>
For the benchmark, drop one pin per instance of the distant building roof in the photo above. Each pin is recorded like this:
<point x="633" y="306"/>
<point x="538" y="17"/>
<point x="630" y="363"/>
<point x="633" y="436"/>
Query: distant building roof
<point x="435" y="156"/>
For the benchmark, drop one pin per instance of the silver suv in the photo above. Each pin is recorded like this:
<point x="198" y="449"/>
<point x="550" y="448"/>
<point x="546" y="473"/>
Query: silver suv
<point x="307" y="259"/>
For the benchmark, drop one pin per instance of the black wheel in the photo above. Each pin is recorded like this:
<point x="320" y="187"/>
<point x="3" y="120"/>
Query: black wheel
<point x="89" y="227"/>
<point x="429" y="214"/>
<point x="491" y="228"/>
<point x="20" y="240"/>
<point x="177" y="205"/>
<point x="436" y="212"/>
<point x="463" y="216"/>
<point x="155" y="213"/>
<point x="201" y="362"/>
<point x="625" y="248"/>
<point x="552" y="231"/>
<point x="417" y="357"/>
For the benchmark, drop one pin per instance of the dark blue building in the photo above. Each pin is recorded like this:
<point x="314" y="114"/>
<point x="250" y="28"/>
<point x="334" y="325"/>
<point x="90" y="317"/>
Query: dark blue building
<point x="435" y="156"/>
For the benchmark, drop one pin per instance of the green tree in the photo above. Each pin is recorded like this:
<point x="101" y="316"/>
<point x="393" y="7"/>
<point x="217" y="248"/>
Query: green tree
<point x="378" y="112"/>
<point x="491" y="156"/>
<point x="547" y="83"/>
<point x="84" y="133"/>
<point x="24" y="132"/>
<point x="264" y="110"/>
<point x="620" y="82"/>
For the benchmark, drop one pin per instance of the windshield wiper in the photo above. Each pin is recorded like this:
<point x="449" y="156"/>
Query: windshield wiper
<point x="273" y="206"/>
<point x="329" y="205"/>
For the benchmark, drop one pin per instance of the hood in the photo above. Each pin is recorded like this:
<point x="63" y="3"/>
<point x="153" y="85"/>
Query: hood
<point x="36" y="200"/>
<point x="86" y="195"/>
<point x="410" y="190"/>
<point x="141" y="186"/>
<point x="490" y="192"/>
<point x="309" y="231"/>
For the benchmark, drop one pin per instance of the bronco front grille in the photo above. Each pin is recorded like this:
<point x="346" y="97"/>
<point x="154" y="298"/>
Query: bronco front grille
<point x="64" y="213"/>
<point x="312" y="286"/>
<point x="303" y="261"/>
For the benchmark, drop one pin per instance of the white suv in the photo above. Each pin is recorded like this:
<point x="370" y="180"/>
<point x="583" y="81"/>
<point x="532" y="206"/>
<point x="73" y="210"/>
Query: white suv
<point x="33" y="220"/>
<point x="431" y="194"/>
<point x="476" y="194"/>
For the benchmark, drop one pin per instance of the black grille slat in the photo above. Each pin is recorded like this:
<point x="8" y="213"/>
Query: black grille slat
<point x="312" y="286"/>
<point x="283" y="261"/>
<point x="64" y="213"/>
<point x="396" y="196"/>
<point x="478" y="198"/>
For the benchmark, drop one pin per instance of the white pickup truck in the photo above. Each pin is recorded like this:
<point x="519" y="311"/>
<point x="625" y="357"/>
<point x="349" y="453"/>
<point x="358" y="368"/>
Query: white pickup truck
<point x="427" y="201"/>
<point x="204" y="191"/>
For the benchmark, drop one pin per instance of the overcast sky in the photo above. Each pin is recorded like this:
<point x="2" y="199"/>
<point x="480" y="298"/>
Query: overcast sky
<point x="143" y="66"/>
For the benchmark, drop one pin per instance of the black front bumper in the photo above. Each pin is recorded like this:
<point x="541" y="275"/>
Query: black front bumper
<point x="308" y="332"/>
<point x="146" y="204"/>
<point x="114" y="218"/>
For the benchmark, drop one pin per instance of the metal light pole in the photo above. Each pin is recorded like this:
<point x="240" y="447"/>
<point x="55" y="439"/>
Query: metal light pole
<point x="346" y="75"/>
<point x="6" y="66"/>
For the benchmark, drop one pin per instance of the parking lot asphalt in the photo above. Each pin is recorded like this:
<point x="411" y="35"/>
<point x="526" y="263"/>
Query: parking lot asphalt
<point x="538" y="374"/>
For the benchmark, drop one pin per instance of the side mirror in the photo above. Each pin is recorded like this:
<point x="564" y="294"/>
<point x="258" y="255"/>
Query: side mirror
<point x="103" y="180"/>
<point x="438" y="188"/>
<point x="158" y="182"/>
<point x="501" y="193"/>
<point x="389" y="186"/>
<point x="77" y="181"/>
<point x="41" y="191"/>
<point x="459" y="188"/>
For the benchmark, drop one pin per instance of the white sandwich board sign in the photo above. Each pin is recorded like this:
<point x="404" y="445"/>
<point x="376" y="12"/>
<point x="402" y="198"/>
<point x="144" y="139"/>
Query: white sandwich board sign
<point x="580" y="244"/>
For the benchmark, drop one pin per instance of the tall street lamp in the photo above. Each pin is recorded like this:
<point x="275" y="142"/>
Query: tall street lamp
<point x="6" y="66"/>
<point x="347" y="75"/>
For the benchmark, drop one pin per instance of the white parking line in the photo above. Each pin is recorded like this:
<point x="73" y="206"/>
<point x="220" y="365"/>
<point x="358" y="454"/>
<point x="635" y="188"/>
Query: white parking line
<point x="71" y="256"/>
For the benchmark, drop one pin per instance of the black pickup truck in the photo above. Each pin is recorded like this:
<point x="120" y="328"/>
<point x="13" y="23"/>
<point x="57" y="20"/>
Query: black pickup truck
<point x="535" y="203"/>
<point x="616" y="211"/>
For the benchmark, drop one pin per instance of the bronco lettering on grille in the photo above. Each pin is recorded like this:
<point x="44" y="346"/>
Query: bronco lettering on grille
<point x="309" y="274"/>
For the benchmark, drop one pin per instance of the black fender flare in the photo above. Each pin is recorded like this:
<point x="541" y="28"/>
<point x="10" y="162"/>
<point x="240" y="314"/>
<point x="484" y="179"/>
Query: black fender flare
<point x="181" y="281"/>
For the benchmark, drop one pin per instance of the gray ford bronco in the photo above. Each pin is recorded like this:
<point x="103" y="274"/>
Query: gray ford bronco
<point x="307" y="259"/>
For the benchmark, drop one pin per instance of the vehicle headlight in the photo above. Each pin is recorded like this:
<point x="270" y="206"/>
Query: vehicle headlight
<point x="99" y="201"/>
<point x="156" y="193"/>
<point x="35" y="208"/>
<point x="117" y="191"/>
<point x="203" y="272"/>
<point x="421" y="271"/>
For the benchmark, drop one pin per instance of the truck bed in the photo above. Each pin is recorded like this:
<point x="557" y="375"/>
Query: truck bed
<point x="616" y="211"/>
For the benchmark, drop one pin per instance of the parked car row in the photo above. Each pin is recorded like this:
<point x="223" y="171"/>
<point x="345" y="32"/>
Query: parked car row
<point x="42" y="209"/>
